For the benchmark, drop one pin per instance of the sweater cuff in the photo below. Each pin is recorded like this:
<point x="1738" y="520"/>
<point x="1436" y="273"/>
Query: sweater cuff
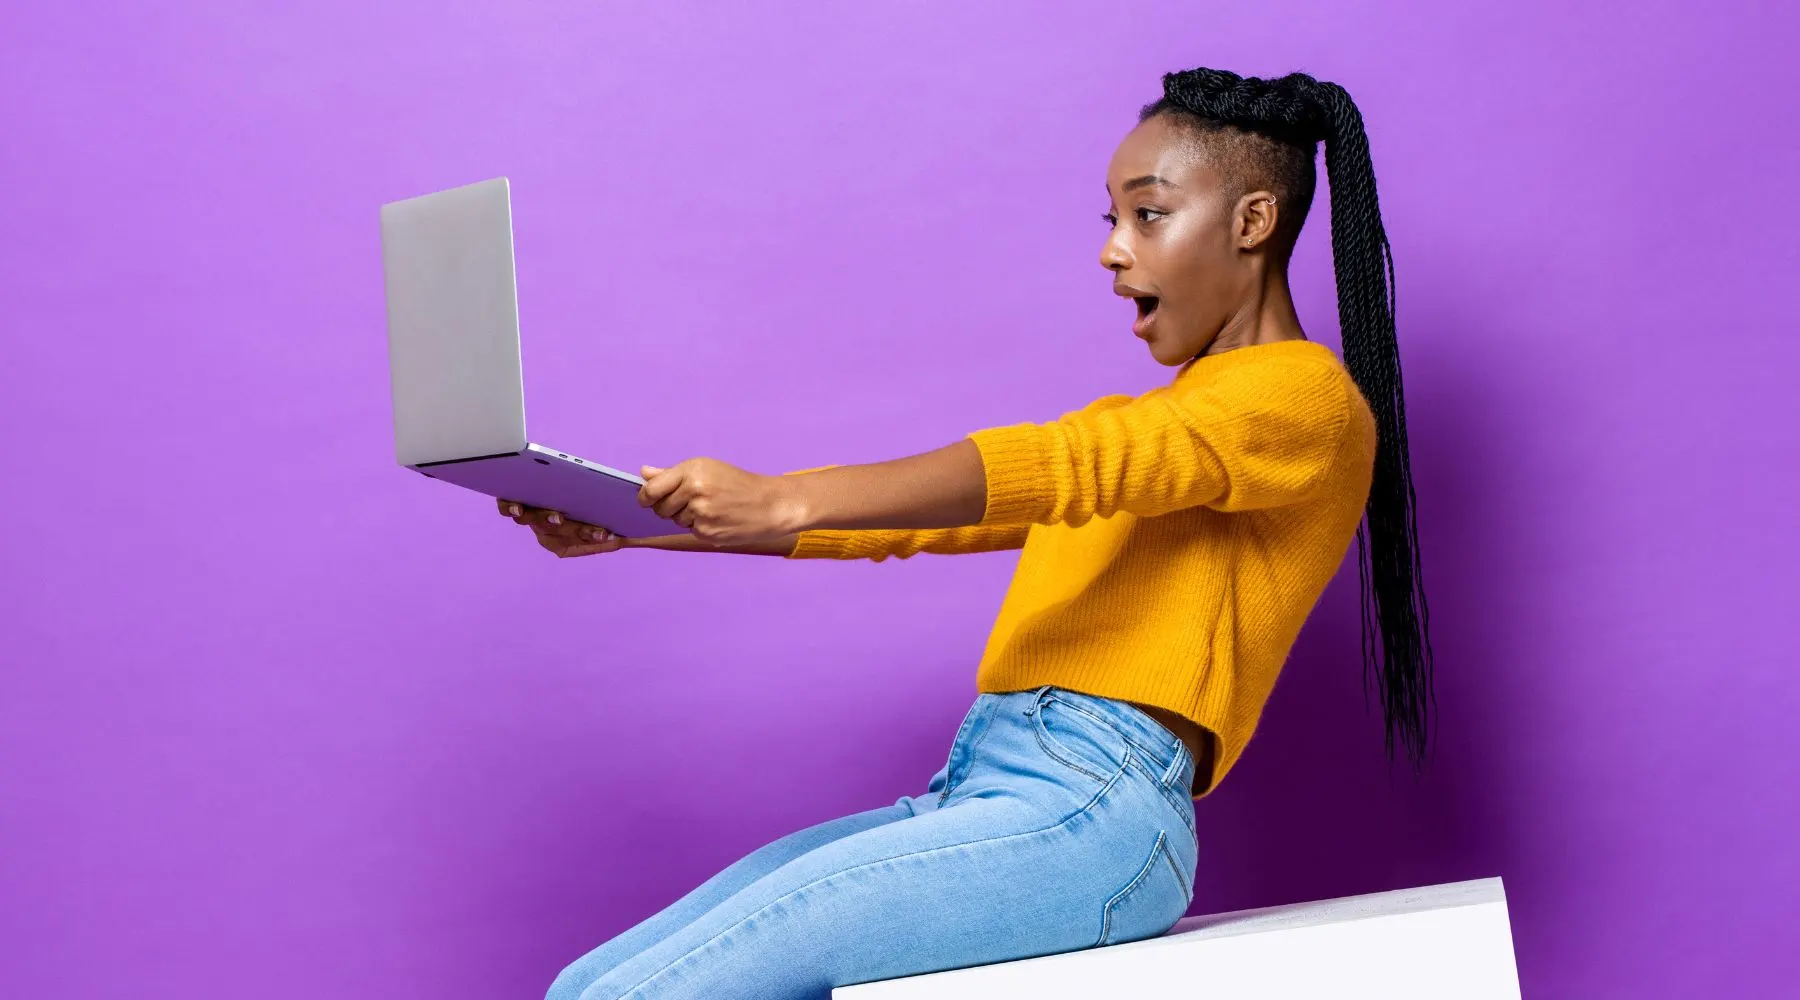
<point x="822" y="544"/>
<point x="1019" y="490"/>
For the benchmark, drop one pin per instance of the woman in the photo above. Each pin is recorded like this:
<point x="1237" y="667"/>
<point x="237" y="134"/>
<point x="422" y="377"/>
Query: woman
<point x="1173" y="544"/>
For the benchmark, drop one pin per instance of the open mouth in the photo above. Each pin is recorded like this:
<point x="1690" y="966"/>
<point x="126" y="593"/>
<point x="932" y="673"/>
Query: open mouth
<point x="1146" y="307"/>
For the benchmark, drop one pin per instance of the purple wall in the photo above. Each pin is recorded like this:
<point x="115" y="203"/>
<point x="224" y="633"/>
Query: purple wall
<point x="277" y="718"/>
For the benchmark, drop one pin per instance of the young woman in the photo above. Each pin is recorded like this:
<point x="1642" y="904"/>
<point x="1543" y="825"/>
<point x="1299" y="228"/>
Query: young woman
<point x="1173" y="544"/>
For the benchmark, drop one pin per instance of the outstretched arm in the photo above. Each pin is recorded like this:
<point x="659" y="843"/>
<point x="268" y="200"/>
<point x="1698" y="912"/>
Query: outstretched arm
<point x="1251" y="438"/>
<point x="904" y="543"/>
<point x="923" y="503"/>
<point x="724" y="505"/>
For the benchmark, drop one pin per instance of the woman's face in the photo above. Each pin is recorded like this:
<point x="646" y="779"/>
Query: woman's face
<point x="1175" y="243"/>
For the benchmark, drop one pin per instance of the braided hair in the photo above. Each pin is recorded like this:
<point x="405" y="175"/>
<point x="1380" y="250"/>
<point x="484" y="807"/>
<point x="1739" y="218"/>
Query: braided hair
<point x="1267" y="132"/>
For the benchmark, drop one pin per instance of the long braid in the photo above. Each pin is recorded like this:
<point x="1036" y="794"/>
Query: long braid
<point x="1297" y="111"/>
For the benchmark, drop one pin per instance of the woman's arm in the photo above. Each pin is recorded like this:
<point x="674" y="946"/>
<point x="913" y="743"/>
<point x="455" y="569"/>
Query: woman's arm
<point x="904" y="543"/>
<point x="946" y="488"/>
<point x="1260" y="435"/>
<point x="781" y="546"/>
<point x="923" y="503"/>
<point x="566" y="538"/>
<point x="724" y="505"/>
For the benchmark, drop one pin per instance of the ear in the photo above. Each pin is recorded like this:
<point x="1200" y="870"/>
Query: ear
<point x="1253" y="224"/>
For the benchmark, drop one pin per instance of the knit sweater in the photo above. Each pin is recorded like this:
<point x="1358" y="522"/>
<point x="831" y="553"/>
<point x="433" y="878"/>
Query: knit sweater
<point x="1173" y="542"/>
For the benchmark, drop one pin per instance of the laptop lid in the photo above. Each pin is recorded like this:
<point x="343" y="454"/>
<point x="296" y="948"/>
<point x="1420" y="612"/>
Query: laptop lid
<point x="453" y="324"/>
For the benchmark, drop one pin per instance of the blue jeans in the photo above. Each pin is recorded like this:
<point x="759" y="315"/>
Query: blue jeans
<point x="1061" y="821"/>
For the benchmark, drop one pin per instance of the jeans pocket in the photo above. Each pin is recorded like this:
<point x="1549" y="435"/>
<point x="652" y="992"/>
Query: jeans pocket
<point x="1076" y="739"/>
<point x="1151" y="902"/>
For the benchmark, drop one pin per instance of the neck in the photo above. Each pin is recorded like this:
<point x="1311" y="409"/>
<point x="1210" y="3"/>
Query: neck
<point x="1265" y="316"/>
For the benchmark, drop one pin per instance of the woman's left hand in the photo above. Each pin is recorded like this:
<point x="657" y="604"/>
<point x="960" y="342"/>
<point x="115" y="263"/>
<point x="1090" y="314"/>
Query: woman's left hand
<point x="723" y="504"/>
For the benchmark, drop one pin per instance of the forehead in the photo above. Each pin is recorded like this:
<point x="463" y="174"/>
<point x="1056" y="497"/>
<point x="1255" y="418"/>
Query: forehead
<point x="1160" y="148"/>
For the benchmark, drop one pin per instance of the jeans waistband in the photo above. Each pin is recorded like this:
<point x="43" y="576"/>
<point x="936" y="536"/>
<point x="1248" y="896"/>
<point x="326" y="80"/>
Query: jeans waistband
<point x="1159" y="746"/>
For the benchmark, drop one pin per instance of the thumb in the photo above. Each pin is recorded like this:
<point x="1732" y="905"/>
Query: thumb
<point x="658" y="483"/>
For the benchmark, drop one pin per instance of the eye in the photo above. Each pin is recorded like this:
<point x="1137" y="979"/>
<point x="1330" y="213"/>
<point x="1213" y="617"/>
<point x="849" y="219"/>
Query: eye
<point x="1142" y="214"/>
<point x="1111" y="220"/>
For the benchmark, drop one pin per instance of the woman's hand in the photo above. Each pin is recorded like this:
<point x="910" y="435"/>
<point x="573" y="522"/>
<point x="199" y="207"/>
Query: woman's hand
<point x="723" y="504"/>
<point x="562" y="536"/>
<point x="566" y="537"/>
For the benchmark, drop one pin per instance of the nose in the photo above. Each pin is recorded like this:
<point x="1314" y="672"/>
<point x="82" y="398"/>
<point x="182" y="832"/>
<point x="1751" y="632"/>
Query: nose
<point x="1114" y="256"/>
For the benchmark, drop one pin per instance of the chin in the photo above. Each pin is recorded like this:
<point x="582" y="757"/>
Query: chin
<point x="1167" y="354"/>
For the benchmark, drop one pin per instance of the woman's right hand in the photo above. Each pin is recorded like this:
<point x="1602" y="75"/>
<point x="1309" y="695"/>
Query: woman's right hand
<point x="565" y="537"/>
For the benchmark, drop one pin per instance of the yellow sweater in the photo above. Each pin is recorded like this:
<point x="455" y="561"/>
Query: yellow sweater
<point x="1174" y="542"/>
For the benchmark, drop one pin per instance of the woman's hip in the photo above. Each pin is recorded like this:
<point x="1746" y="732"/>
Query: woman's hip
<point x="1055" y="750"/>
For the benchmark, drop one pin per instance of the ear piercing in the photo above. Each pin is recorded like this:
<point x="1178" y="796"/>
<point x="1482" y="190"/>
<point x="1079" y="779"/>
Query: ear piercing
<point x="1248" y="244"/>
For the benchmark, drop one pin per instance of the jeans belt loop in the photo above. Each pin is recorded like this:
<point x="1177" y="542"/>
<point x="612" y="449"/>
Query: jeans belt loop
<point x="1173" y="771"/>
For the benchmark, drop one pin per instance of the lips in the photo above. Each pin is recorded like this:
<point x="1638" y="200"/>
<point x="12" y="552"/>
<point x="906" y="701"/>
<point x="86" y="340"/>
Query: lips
<point x="1147" y="304"/>
<point x="1146" y="307"/>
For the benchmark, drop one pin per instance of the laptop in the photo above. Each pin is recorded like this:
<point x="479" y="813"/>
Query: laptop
<point x="458" y="385"/>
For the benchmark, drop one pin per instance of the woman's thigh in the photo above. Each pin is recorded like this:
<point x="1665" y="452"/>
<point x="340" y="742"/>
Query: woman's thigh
<point x="1042" y="841"/>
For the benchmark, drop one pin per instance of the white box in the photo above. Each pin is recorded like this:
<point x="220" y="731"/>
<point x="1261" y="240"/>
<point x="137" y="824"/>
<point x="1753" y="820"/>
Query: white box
<point x="1433" y="942"/>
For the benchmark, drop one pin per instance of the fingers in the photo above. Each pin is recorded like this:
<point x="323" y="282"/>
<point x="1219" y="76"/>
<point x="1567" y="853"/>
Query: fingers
<point x="606" y="542"/>
<point x="593" y="535"/>
<point x="525" y="514"/>
<point x="563" y="537"/>
<point x="544" y="518"/>
<point x="587" y="540"/>
<point x="554" y="525"/>
<point x="670" y="491"/>
<point x="614" y="544"/>
<point x="676" y="503"/>
<point x="659" y="484"/>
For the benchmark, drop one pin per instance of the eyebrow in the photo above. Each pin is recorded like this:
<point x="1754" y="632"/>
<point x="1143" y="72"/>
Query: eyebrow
<point x="1145" y="181"/>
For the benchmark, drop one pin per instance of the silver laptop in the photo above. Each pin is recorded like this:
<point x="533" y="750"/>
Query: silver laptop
<point x="453" y="343"/>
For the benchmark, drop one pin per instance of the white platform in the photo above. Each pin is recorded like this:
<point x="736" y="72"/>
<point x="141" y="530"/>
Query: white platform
<point x="1433" y="942"/>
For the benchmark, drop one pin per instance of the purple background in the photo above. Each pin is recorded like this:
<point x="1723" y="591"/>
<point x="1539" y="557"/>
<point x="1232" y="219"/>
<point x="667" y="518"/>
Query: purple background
<point x="280" y="719"/>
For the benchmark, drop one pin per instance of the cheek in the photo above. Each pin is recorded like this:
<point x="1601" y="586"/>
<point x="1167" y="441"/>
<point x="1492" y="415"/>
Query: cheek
<point x="1199" y="286"/>
<point x="1195" y="262"/>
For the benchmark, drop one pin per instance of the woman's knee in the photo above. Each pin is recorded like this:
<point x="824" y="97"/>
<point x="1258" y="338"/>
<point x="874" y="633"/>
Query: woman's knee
<point x="575" y="978"/>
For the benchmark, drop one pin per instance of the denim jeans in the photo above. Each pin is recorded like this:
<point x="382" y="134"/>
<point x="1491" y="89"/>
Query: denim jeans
<point x="1060" y="821"/>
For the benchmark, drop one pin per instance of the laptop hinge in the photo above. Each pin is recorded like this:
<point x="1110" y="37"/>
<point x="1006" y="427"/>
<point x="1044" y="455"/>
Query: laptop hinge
<point x="477" y="458"/>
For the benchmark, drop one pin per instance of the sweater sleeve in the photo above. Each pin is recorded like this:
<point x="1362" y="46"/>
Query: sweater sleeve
<point x="1254" y="436"/>
<point x="903" y="543"/>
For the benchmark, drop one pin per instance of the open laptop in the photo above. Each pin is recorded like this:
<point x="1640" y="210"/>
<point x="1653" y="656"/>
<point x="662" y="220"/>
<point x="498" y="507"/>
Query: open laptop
<point x="459" y="390"/>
